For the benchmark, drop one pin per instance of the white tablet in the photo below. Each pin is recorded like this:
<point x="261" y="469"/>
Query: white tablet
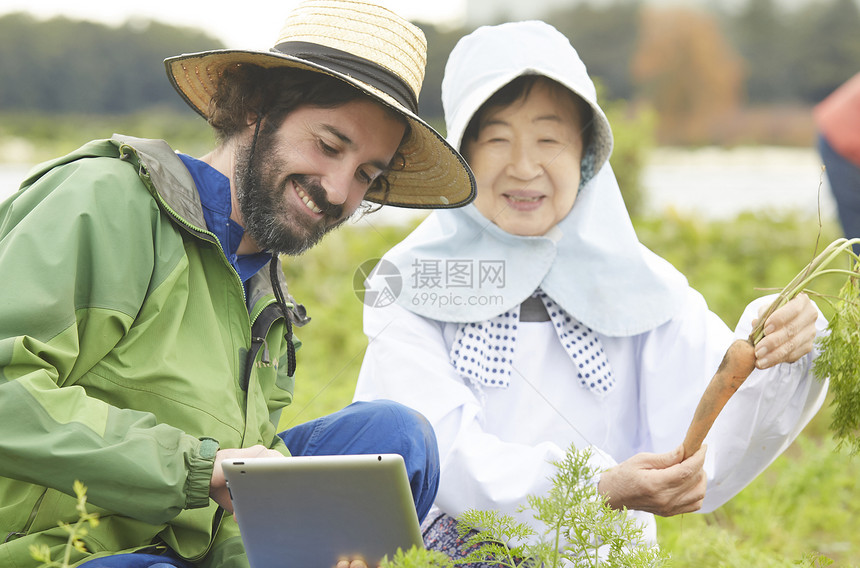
<point x="312" y="511"/>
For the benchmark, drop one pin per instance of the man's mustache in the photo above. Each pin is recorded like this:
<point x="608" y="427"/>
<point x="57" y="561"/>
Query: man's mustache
<point x="317" y="193"/>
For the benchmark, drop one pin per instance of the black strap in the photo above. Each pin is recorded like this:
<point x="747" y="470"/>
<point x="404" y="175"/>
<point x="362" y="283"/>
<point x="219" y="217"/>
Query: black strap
<point x="353" y="66"/>
<point x="279" y="297"/>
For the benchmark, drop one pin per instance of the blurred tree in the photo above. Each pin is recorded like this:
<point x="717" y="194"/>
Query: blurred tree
<point x="827" y="47"/>
<point x="762" y="36"/>
<point x="633" y="139"/>
<point x="440" y="42"/>
<point x="687" y="71"/>
<point x="605" y="37"/>
<point x="63" y="65"/>
<point x="678" y="59"/>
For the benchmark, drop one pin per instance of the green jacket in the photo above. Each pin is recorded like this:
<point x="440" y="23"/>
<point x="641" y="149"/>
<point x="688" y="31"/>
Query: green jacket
<point x="125" y="337"/>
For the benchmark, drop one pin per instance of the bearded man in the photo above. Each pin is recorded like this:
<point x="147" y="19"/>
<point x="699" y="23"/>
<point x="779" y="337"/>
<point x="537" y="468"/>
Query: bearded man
<point x="145" y="333"/>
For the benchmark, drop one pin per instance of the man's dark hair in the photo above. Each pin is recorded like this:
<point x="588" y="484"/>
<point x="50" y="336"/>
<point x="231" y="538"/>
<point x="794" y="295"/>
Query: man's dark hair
<point x="246" y="90"/>
<point x="519" y="89"/>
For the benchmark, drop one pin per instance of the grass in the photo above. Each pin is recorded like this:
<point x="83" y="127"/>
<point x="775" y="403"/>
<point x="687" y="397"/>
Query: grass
<point x="803" y="506"/>
<point x="30" y="138"/>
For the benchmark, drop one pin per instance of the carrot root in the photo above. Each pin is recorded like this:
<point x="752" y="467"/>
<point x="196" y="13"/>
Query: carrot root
<point x="736" y="366"/>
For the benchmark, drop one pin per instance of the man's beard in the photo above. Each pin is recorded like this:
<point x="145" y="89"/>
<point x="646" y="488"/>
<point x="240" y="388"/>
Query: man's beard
<point x="266" y="218"/>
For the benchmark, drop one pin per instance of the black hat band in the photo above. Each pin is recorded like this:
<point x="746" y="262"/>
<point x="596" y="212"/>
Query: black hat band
<point x="352" y="66"/>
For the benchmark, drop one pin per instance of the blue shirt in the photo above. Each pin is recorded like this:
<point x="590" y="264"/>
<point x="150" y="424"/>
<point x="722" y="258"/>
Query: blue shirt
<point x="214" y="190"/>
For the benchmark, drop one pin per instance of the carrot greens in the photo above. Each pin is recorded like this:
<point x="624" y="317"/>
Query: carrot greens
<point x="840" y="360"/>
<point x="839" y="357"/>
<point x="578" y="529"/>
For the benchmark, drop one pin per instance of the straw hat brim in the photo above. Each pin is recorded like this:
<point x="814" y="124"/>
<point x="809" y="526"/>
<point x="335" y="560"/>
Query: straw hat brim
<point x="435" y="176"/>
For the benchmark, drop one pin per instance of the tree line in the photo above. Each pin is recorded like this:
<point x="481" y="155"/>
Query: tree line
<point x="783" y="56"/>
<point x="683" y="62"/>
<point x="69" y="66"/>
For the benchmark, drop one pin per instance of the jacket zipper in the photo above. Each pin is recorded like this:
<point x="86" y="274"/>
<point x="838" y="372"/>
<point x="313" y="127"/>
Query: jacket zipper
<point x="35" y="511"/>
<point x="258" y="341"/>
<point x="198" y="232"/>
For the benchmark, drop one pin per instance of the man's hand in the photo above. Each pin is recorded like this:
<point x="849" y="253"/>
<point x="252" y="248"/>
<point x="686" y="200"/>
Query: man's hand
<point x="657" y="483"/>
<point x="789" y="333"/>
<point x="218" y="485"/>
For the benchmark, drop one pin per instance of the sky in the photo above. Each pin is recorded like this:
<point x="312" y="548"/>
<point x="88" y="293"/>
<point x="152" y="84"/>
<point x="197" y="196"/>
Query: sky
<point x="252" y="24"/>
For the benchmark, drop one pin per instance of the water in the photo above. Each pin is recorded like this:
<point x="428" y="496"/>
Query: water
<point x="716" y="184"/>
<point x="711" y="183"/>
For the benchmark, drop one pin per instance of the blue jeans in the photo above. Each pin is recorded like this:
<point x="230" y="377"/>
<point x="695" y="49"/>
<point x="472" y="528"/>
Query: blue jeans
<point x="378" y="427"/>
<point x="844" y="178"/>
<point x="136" y="560"/>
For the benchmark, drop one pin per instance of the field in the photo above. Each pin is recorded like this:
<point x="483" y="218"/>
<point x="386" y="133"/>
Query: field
<point x="806" y="504"/>
<point x="803" y="506"/>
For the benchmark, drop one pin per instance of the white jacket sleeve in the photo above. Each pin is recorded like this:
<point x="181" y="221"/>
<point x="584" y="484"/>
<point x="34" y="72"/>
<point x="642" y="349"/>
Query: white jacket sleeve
<point x="407" y="360"/>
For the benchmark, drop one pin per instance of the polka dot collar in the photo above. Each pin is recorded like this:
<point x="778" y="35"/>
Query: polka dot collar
<point x="483" y="352"/>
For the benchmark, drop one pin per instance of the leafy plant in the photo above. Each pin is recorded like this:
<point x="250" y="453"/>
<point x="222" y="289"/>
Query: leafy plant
<point x="417" y="558"/>
<point x="42" y="553"/>
<point x="580" y="530"/>
<point x="839" y="348"/>
<point x="839" y="361"/>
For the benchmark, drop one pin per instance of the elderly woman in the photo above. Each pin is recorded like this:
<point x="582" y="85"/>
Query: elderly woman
<point x="534" y="319"/>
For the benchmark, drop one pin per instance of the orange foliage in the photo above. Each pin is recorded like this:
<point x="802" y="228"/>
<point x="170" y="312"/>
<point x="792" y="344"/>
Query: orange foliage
<point x="687" y="71"/>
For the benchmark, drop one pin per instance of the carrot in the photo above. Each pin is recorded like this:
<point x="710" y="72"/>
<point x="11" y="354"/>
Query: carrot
<point x="736" y="366"/>
<point x="739" y="360"/>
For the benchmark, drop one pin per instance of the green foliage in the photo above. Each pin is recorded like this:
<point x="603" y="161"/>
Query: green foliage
<point x="803" y="506"/>
<point x="500" y="539"/>
<point x="633" y="134"/>
<point x="417" y="558"/>
<point x="76" y="531"/>
<point x="332" y="343"/>
<point x="839" y="361"/>
<point x="440" y="42"/>
<point x="732" y="262"/>
<point x="580" y="530"/>
<point x="41" y="136"/>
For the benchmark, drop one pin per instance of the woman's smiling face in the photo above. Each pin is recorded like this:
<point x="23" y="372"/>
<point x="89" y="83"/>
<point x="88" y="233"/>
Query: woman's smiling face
<point x="527" y="158"/>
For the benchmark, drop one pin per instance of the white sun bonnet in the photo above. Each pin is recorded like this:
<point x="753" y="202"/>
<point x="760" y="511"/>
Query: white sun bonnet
<point x="591" y="263"/>
<point x="492" y="56"/>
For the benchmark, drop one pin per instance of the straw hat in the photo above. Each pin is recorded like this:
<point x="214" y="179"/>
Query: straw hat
<point x="376" y="51"/>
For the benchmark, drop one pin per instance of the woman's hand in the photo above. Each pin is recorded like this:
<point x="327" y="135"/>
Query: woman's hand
<point x="662" y="484"/>
<point x="789" y="333"/>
